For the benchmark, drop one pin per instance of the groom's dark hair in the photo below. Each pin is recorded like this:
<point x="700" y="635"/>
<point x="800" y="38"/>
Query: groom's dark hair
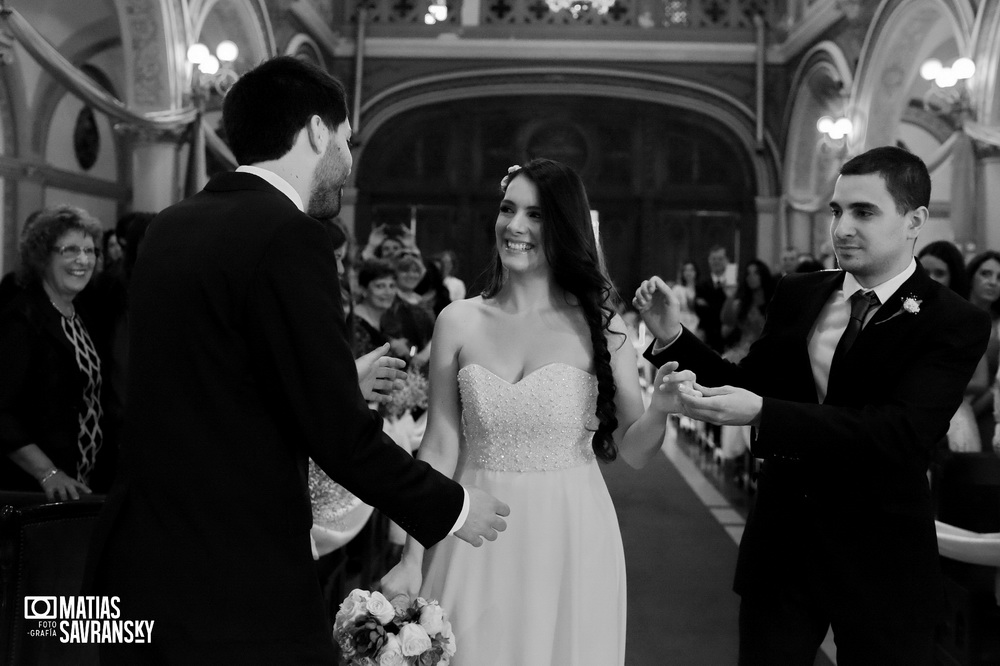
<point x="905" y="175"/>
<point x="268" y="106"/>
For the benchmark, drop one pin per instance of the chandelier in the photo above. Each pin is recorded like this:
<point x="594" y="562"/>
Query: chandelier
<point x="577" y="7"/>
<point x="948" y="94"/>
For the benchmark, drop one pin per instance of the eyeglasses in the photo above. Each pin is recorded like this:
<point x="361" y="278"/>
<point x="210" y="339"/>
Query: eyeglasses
<point x="74" y="251"/>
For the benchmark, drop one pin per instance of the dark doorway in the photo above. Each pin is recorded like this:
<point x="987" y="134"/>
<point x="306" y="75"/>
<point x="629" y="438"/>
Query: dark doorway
<point x="667" y="183"/>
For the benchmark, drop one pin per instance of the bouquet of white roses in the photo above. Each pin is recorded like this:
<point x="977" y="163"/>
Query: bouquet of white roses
<point x="372" y="631"/>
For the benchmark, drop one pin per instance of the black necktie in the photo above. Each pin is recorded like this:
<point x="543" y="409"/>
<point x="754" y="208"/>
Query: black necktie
<point x="861" y="304"/>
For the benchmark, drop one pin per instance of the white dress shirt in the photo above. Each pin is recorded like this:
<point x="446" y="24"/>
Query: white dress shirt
<point x="833" y="318"/>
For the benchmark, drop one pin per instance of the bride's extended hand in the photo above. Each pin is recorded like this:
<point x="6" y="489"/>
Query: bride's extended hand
<point x="404" y="578"/>
<point x="669" y="385"/>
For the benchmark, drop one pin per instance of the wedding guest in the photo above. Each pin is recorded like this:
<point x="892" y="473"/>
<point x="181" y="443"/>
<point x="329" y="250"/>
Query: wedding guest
<point x="9" y="286"/>
<point x="434" y="294"/>
<point x="51" y="415"/>
<point x="809" y="266"/>
<point x="111" y="251"/>
<point x="409" y="272"/>
<point x="449" y="264"/>
<point x="239" y="371"/>
<point x="743" y="318"/>
<point x="789" y="260"/>
<point x="409" y="319"/>
<point x="850" y="387"/>
<point x="533" y="383"/>
<point x="944" y="264"/>
<point x="984" y="292"/>
<point x="744" y="313"/>
<point x="340" y="240"/>
<point x="712" y="293"/>
<point x="685" y="291"/>
<point x="386" y="241"/>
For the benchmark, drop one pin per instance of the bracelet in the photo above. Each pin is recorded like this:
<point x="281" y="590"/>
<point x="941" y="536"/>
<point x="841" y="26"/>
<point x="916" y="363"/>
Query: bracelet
<point x="48" y="475"/>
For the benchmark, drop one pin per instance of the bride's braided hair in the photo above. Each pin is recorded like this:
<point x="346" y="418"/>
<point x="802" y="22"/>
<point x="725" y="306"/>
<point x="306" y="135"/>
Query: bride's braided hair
<point x="578" y="268"/>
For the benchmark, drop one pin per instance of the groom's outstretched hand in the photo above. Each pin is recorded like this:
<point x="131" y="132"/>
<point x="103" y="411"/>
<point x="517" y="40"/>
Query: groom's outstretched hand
<point x="485" y="519"/>
<point x="379" y="375"/>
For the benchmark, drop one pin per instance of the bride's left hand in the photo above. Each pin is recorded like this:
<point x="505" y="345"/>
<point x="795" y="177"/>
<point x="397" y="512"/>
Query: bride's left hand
<point x="404" y="578"/>
<point x="668" y="386"/>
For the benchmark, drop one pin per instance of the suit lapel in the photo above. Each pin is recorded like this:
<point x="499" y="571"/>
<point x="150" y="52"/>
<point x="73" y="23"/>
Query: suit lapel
<point x="814" y="302"/>
<point x="887" y="331"/>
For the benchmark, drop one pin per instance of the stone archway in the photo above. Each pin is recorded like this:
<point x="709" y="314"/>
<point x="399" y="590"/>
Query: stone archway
<point x="890" y="106"/>
<point x="821" y="86"/>
<point x="664" y="91"/>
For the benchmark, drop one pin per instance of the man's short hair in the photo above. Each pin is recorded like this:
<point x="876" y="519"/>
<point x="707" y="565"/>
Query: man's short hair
<point x="269" y="105"/>
<point x="718" y="248"/>
<point x="905" y="175"/>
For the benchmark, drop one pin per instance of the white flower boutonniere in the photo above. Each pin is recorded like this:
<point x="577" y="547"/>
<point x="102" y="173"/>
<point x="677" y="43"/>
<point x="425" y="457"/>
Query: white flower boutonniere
<point x="911" y="304"/>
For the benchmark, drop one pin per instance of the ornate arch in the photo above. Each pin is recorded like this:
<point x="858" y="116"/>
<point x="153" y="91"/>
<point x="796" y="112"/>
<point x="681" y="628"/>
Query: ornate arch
<point x="820" y="87"/>
<point x="901" y="35"/>
<point x="664" y="90"/>
<point x="986" y="54"/>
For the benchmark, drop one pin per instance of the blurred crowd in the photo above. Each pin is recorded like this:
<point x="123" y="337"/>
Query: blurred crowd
<point x="64" y="335"/>
<point x="64" y="325"/>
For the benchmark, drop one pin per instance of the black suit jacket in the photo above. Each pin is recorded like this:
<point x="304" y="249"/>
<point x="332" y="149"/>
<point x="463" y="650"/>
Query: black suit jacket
<point x="843" y="504"/>
<point x="239" y="370"/>
<point x="710" y="312"/>
<point x="41" y="390"/>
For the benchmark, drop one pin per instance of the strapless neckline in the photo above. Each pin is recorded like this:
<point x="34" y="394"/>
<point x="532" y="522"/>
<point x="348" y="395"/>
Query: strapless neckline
<point x="531" y="374"/>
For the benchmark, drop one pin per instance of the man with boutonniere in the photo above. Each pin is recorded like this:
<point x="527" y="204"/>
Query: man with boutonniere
<point x="849" y="388"/>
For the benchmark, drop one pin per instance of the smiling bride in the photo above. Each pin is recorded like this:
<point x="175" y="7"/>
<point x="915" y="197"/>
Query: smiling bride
<point x="531" y="384"/>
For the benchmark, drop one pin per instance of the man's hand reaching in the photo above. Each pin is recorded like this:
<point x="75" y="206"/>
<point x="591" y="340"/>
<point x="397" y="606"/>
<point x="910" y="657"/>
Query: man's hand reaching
<point x="379" y="375"/>
<point x="659" y="308"/>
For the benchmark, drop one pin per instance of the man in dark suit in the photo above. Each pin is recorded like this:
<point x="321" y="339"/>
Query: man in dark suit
<point x="846" y="415"/>
<point x="239" y="371"/>
<point x="710" y="296"/>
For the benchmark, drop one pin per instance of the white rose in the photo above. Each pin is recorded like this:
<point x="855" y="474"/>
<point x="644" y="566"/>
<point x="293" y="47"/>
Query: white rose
<point x="352" y="607"/>
<point x="414" y="640"/>
<point x="448" y="639"/>
<point x="380" y="608"/>
<point x="432" y="619"/>
<point x="391" y="653"/>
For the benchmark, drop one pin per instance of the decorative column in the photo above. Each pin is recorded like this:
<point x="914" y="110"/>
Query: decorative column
<point x="768" y="230"/>
<point x="156" y="80"/>
<point x="987" y="234"/>
<point x="348" y="209"/>
<point x="155" y="157"/>
<point x="800" y="230"/>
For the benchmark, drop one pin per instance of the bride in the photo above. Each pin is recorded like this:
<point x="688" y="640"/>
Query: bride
<point x="531" y="384"/>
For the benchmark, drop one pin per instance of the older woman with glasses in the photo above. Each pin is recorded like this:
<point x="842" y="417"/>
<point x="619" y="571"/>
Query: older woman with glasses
<point x="50" y="373"/>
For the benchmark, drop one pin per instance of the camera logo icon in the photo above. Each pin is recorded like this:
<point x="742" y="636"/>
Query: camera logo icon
<point x="40" y="608"/>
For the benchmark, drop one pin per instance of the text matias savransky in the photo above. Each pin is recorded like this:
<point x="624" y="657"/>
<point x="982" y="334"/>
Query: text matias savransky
<point x="84" y="619"/>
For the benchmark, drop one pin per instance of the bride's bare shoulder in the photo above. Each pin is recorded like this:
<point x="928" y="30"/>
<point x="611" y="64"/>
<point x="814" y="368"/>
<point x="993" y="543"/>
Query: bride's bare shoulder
<point x="464" y="313"/>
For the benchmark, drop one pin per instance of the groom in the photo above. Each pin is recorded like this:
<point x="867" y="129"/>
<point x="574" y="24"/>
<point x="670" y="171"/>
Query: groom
<point x="848" y="395"/>
<point x="240" y="370"/>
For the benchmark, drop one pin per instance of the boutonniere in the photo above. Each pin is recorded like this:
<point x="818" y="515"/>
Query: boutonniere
<point x="911" y="305"/>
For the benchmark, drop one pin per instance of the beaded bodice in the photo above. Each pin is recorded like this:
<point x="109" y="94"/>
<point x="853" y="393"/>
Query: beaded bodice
<point x="545" y="421"/>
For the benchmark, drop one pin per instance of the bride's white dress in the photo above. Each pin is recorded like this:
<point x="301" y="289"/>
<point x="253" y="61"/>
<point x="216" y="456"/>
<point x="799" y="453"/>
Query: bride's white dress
<point x="551" y="590"/>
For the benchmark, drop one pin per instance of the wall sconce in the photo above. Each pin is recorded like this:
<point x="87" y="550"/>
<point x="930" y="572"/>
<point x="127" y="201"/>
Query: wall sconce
<point x="948" y="94"/>
<point x="213" y="72"/>
<point x="835" y="129"/>
<point x="436" y="12"/>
